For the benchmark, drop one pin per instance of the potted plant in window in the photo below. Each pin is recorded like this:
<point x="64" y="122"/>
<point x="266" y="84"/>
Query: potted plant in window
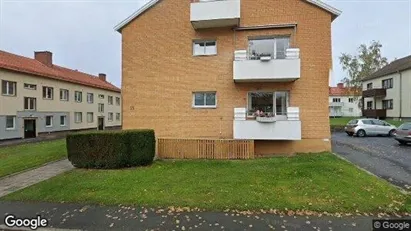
<point x="262" y="117"/>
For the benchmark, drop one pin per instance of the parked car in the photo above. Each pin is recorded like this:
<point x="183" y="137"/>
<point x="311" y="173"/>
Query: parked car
<point x="403" y="133"/>
<point x="369" y="127"/>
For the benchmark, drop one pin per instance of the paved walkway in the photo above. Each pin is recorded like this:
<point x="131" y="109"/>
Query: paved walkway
<point x="16" y="182"/>
<point x="86" y="217"/>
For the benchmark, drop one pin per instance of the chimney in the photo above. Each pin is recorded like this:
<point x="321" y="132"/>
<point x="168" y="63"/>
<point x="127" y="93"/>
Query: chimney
<point x="340" y="85"/>
<point x="45" y="57"/>
<point x="102" y="76"/>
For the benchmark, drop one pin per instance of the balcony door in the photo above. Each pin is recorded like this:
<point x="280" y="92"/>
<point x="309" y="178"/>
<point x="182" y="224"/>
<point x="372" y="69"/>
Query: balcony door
<point x="274" y="47"/>
<point x="270" y="103"/>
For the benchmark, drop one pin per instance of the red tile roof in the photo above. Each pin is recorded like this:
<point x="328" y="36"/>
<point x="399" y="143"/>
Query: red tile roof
<point x="344" y="91"/>
<point x="23" y="64"/>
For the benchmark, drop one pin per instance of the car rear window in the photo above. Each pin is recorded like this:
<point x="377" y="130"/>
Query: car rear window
<point x="405" y="127"/>
<point x="353" y="122"/>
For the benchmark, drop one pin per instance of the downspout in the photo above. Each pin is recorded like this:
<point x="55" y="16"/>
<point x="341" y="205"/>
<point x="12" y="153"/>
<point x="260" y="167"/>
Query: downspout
<point x="400" y="117"/>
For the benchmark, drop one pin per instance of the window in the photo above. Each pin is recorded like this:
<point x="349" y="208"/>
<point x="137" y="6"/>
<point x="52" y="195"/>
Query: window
<point x="271" y="103"/>
<point x="49" y="121"/>
<point x="110" y="116"/>
<point x="78" y="96"/>
<point x="369" y="105"/>
<point x="10" y="122"/>
<point x="369" y="122"/>
<point x="78" y="117"/>
<point x="336" y="100"/>
<point x="204" y="48"/>
<point x="405" y="127"/>
<point x="100" y="107"/>
<point x="369" y="86"/>
<point x="117" y="116"/>
<point x="387" y="104"/>
<point x="47" y="93"/>
<point x="117" y="100"/>
<point x="63" y="120"/>
<point x="29" y="103"/>
<point x="90" y="117"/>
<point x="64" y="94"/>
<point x="351" y="110"/>
<point x="204" y="99"/>
<point x="101" y="96"/>
<point x="110" y="100"/>
<point x="30" y="86"/>
<point x="8" y="88"/>
<point x="268" y="47"/>
<point x="351" y="100"/>
<point x="90" y="98"/>
<point x="387" y="83"/>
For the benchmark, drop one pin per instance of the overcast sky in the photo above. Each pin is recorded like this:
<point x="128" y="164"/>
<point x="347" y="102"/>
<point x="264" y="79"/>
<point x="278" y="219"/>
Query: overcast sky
<point x="80" y="33"/>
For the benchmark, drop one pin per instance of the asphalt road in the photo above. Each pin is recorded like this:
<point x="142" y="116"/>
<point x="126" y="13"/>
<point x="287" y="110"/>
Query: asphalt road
<point x="382" y="156"/>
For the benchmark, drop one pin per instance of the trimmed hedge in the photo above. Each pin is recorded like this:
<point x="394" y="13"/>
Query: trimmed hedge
<point x="111" y="150"/>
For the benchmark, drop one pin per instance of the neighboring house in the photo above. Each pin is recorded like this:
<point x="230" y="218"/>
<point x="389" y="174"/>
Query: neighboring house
<point x="387" y="92"/>
<point x="344" y="101"/>
<point x="203" y="69"/>
<point x="39" y="98"/>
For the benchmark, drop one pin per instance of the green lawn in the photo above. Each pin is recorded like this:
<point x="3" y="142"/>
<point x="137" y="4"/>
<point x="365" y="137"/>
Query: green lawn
<point x="317" y="182"/>
<point x="21" y="157"/>
<point x="344" y="120"/>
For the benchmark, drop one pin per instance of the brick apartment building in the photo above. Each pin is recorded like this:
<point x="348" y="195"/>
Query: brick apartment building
<point x="230" y="69"/>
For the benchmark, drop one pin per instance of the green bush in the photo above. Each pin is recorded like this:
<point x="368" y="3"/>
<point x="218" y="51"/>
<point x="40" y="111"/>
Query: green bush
<point x="111" y="150"/>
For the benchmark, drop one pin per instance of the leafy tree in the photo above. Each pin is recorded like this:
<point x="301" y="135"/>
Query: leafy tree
<point x="367" y="61"/>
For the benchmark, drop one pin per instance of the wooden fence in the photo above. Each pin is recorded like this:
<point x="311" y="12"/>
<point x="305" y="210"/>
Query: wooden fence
<point x="169" y="148"/>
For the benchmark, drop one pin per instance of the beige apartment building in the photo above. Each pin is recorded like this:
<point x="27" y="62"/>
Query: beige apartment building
<point x="40" y="98"/>
<point x="387" y="93"/>
<point x="230" y="69"/>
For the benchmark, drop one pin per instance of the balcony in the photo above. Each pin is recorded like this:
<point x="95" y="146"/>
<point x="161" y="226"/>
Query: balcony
<point x="376" y="92"/>
<point x="336" y="104"/>
<point x="214" y="13"/>
<point x="374" y="113"/>
<point x="266" y="68"/>
<point x="266" y="128"/>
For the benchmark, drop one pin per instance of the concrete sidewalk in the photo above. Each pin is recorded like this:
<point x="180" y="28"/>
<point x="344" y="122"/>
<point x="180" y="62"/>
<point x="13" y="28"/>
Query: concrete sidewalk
<point x="22" y="180"/>
<point x="85" y="217"/>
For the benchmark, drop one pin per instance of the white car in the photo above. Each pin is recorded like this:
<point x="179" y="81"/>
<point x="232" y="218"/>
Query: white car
<point x="369" y="127"/>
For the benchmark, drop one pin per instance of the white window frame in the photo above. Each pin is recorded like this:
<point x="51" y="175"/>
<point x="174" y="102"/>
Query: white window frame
<point x="75" y="117"/>
<point x="110" y="102"/>
<point x="100" y="96"/>
<point x="275" y="49"/>
<point x="66" y="98"/>
<point x="51" y="121"/>
<point x="29" y="86"/>
<point x="14" y="87"/>
<point x="205" y="98"/>
<point x="110" y="116"/>
<point x="195" y="42"/>
<point x="351" y="100"/>
<point x="14" y="123"/>
<point x="118" y="116"/>
<point x="90" y="98"/>
<point x="78" y="96"/>
<point x="99" y="108"/>
<point x="31" y="103"/>
<point x="274" y="102"/>
<point x="92" y="117"/>
<point x="336" y="100"/>
<point x="65" y="121"/>
<point x="118" y="100"/>
<point x="47" y="96"/>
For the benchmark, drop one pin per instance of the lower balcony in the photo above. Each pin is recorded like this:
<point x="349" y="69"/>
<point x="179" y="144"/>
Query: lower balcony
<point x="336" y="104"/>
<point x="376" y="92"/>
<point x="374" y="113"/>
<point x="266" y="67"/>
<point x="267" y="128"/>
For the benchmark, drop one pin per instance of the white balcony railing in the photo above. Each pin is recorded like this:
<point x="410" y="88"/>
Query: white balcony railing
<point x="276" y="128"/>
<point x="249" y="68"/>
<point x="336" y="104"/>
<point x="215" y="13"/>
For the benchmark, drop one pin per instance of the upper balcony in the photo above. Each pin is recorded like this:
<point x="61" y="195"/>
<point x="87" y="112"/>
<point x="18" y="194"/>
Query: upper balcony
<point x="284" y="127"/>
<point x="215" y="13"/>
<point x="375" y="92"/>
<point x="267" y="67"/>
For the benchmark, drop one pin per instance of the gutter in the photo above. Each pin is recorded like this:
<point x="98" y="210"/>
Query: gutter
<point x="400" y="116"/>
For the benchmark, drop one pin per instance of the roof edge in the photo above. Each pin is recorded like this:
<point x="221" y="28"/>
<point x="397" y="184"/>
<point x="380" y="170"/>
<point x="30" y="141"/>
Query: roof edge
<point x="151" y="3"/>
